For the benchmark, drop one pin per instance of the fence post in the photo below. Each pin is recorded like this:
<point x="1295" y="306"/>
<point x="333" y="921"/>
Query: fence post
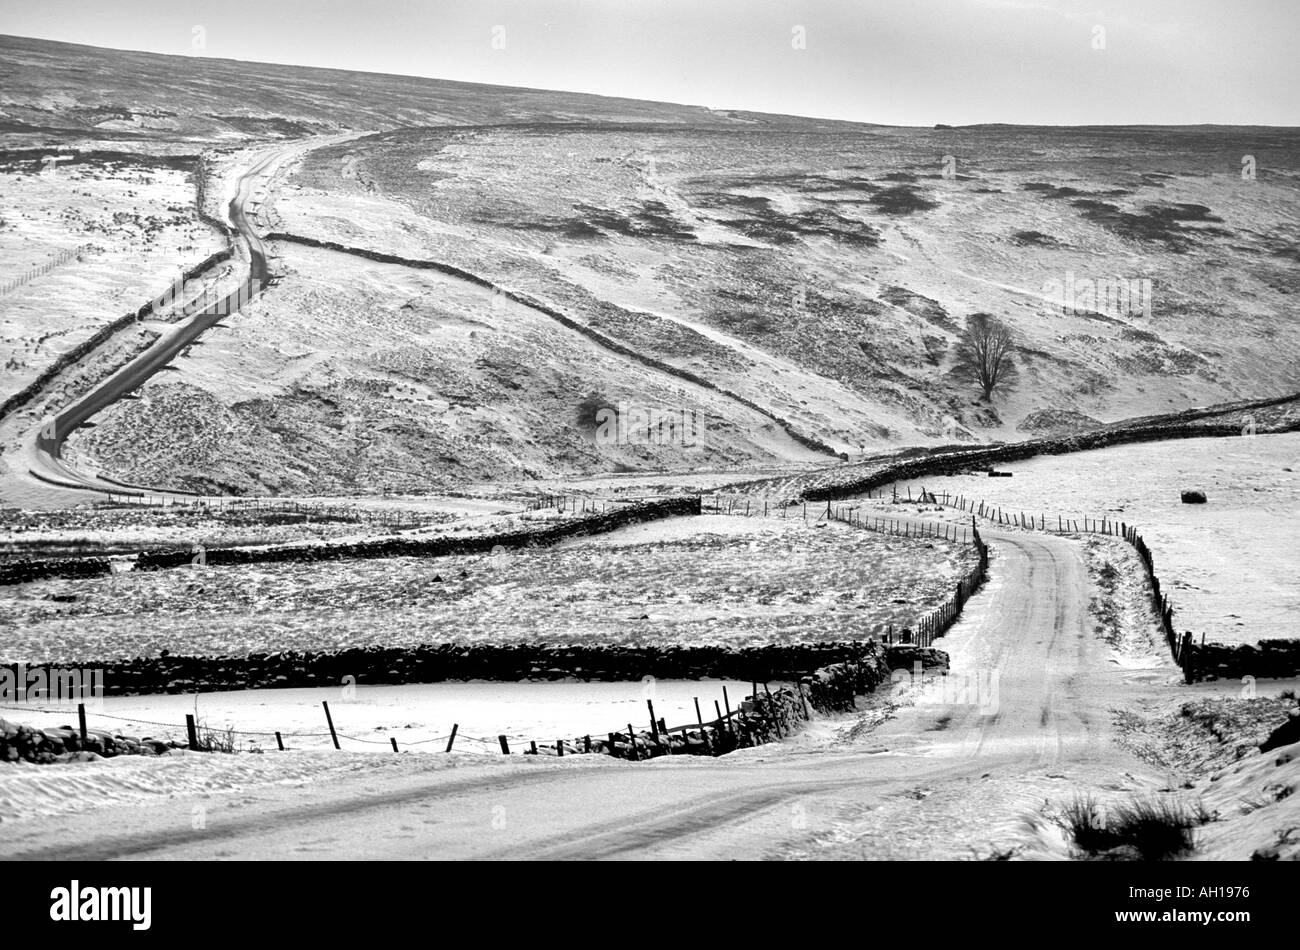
<point x="279" y="741"/>
<point x="393" y="740"/>
<point x="505" y="746"/>
<point x="330" y="719"/>
<point x="192" y="731"/>
<point x="654" y="726"/>
<point x="631" y="738"/>
<point x="450" y="739"/>
<point x="81" y="720"/>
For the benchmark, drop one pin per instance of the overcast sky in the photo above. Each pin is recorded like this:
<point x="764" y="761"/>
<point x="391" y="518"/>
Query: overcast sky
<point x="904" y="62"/>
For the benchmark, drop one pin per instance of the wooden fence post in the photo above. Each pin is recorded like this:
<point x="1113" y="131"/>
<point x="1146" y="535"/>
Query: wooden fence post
<point x="450" y="739"/>
<point x="393" y="740"/>
<point x="192" y="731"/>
<point x="81" y="721"/>
<point x="279" y="742"/>
<point x="654" y="726"/>
<point x="330" y="719"/>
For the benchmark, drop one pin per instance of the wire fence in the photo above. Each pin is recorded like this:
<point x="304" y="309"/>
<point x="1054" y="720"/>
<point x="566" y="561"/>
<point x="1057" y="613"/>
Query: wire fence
<point x="1180" y="647"/>
<point x="784" y="508"/>
<point x="201" y="736"/>
<point x="40" y="270"/>
<point x="706" y="733"/>
<point x="927" y="628"/>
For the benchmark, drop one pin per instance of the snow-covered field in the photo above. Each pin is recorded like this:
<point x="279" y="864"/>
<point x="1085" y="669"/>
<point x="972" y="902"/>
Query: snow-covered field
<point x="130" y="528"/>
<point x="419" y="716"/>
<point x="709" y="579"/>
<point x="138" y="224"/>
<point x="1230" y="566"/>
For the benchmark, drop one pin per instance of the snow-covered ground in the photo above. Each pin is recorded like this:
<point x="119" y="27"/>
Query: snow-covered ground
<point x="941" y="776"/>
<point x="140" y="229"/>
<point x="691" y="581"/>
<point x="1230" y="565"/>
<point x="419" y="716"/>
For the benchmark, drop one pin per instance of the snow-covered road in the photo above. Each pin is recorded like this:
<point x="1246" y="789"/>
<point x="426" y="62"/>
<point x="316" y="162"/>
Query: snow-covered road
<point x="1025" y="717"/>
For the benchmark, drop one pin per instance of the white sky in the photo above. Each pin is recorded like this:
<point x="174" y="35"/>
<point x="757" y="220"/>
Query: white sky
<point x="905" y="62"/>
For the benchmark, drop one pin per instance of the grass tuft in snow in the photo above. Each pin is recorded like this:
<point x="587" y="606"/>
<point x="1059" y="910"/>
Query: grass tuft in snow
<point x="1144" y="829"/>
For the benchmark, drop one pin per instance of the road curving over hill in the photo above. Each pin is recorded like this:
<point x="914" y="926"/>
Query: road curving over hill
<point x="953" y="770"/>
<point x="43" y="450"/>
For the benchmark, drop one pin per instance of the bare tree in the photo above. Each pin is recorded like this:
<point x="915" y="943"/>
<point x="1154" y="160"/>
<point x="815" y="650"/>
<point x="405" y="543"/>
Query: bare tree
<point x="984" y="354"/>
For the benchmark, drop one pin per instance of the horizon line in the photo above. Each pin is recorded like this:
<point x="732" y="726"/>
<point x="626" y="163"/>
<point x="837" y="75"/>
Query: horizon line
<point x="668" y="102"/>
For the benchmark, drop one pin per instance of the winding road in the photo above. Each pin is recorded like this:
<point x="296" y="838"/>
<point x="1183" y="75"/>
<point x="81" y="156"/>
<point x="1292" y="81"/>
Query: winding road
<point x="43" y="449"/>
<point x="958" y="767"/>
<point x="948" y="768"/>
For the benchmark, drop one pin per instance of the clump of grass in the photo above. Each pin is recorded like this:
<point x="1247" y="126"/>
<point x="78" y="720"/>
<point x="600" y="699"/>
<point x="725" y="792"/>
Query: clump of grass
<point x="1048" y="190"/>
<point x="902" y="199"/>
<point x="1153" y="222"/>
<point x="1035" y="238"/>
<point x="216" y="740"/>
<point x="1147" y="829"/>
<point x="1108" y="575"/>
